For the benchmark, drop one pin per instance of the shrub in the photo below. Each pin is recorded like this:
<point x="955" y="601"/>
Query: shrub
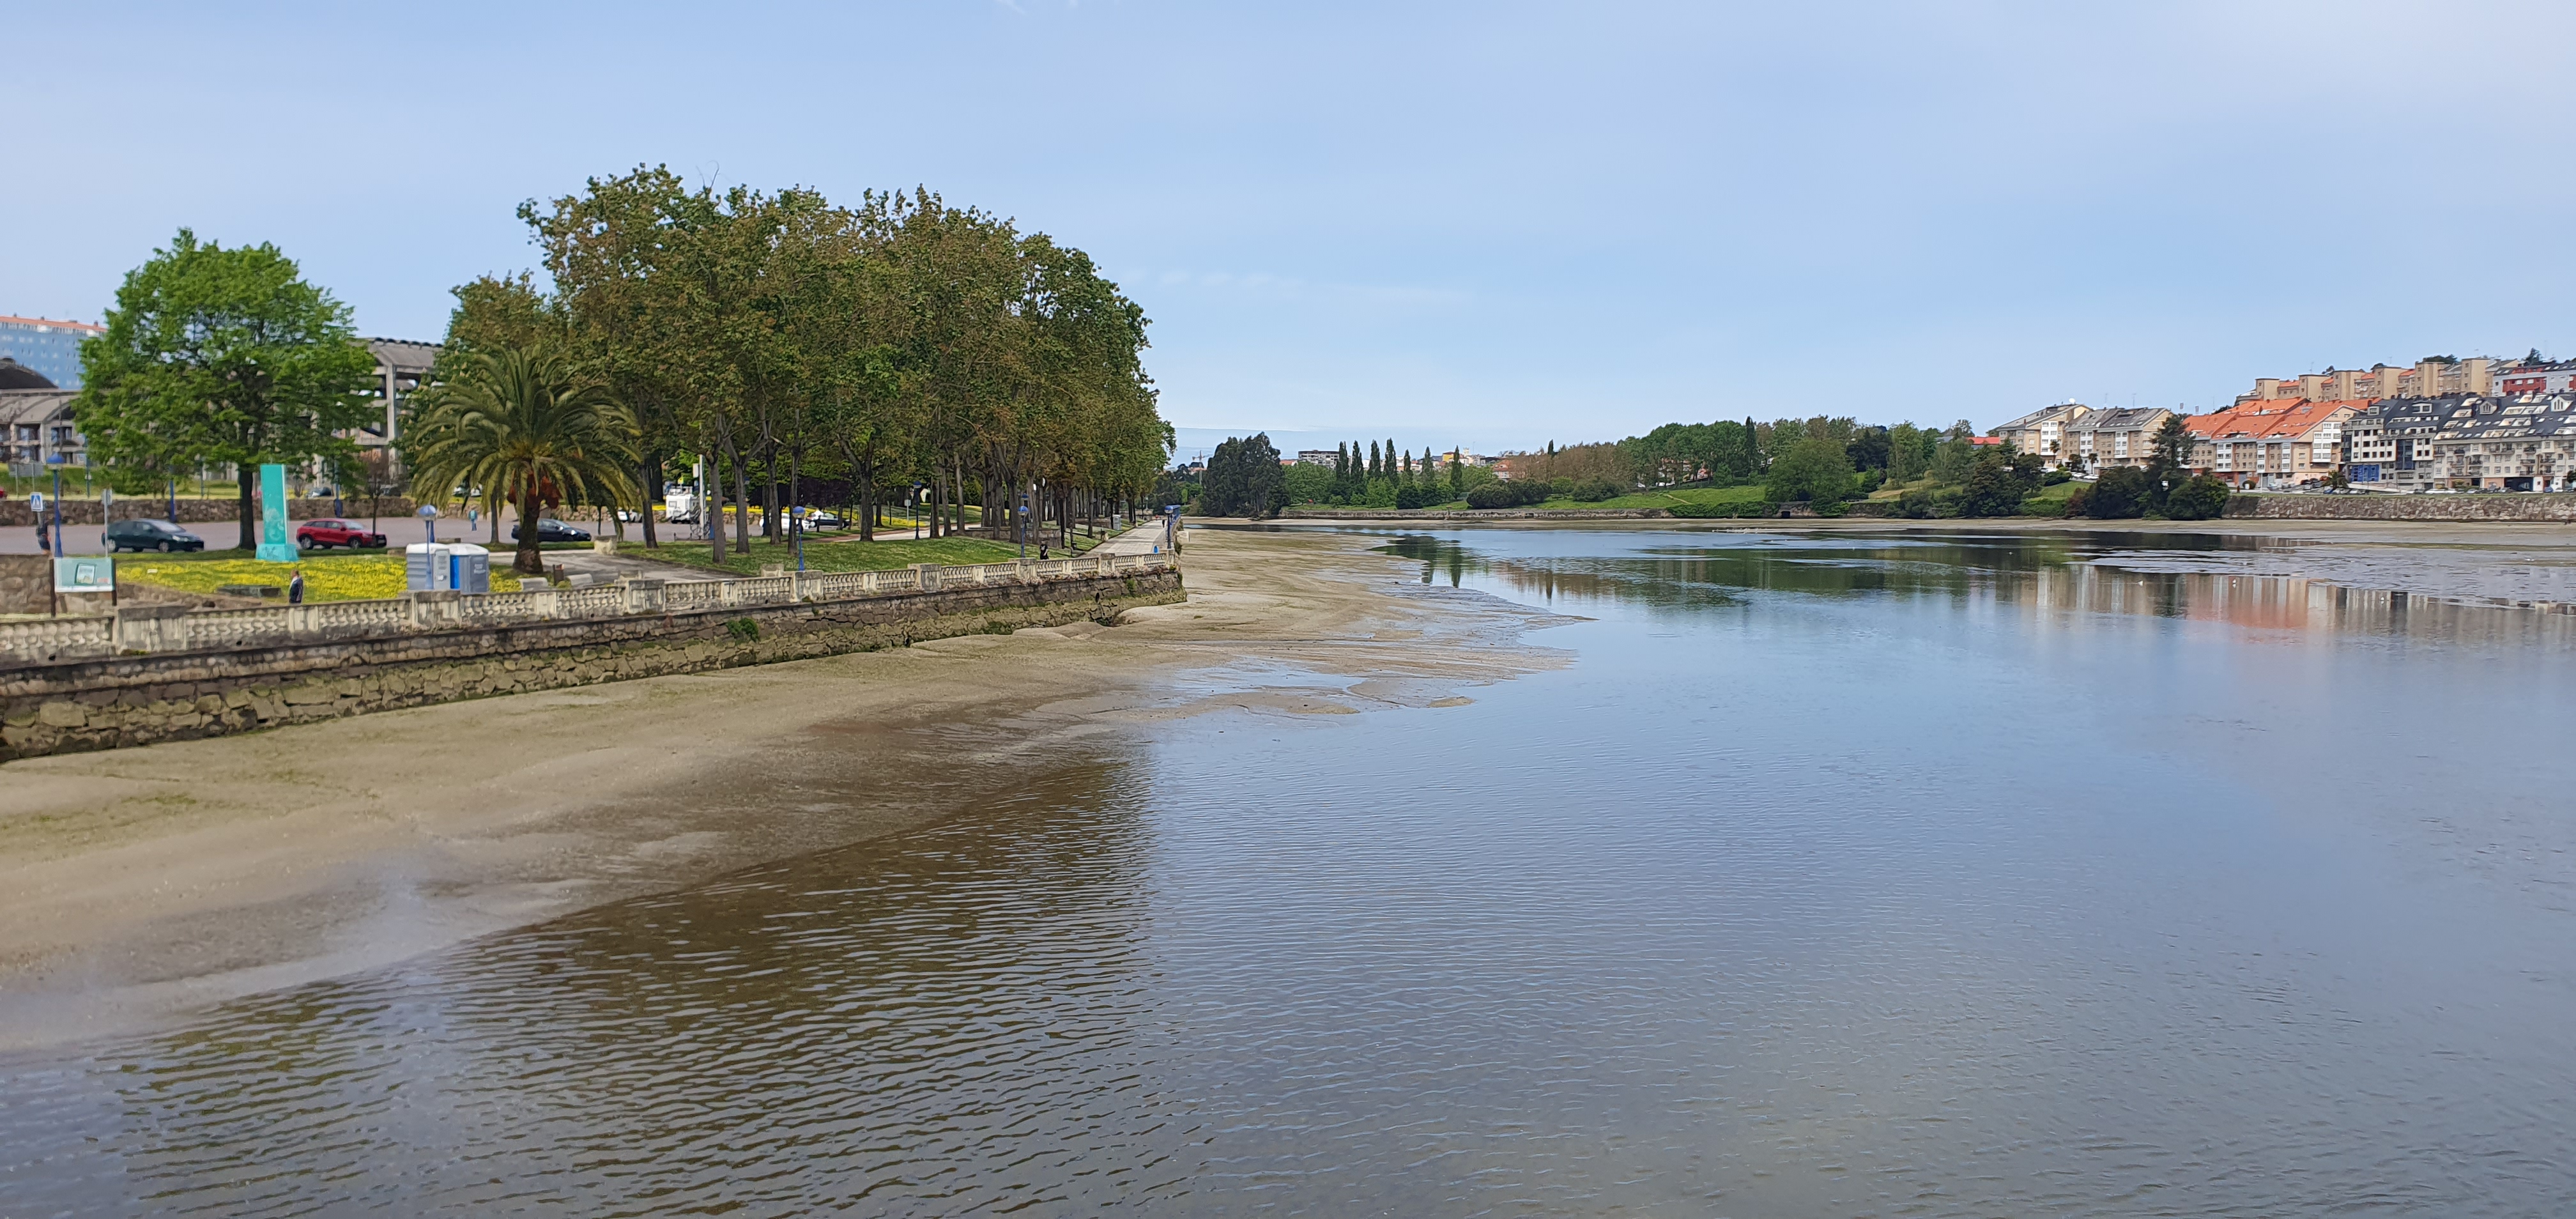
<point x="1829" y="507"/>
<point x="2199" y="498"/>
<point x="1872" y="480"/>
<point x="1920" y="504"/>
<point x="1503" y="493"/>
<point x="1412" y="496"/>
<point x="2120" y="493"/>
<point x="1594" y="490"/>
<point x="2075" y="501"/>
<point x="2054" y="477"/>
<point x="743" y="629"/>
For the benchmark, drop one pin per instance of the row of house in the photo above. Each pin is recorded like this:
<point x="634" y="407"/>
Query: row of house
<point x="2456" y="441"/>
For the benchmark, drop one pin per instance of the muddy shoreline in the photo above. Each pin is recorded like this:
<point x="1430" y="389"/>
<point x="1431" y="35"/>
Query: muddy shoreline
<point x="141" y="884"/>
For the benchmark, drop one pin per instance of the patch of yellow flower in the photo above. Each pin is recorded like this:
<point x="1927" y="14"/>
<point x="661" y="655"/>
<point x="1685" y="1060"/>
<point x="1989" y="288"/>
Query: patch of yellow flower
<point x="352" y="577"/>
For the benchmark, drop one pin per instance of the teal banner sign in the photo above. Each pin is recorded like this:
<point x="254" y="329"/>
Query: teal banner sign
<point x="85" y="574"/>
<point x="274" y="545"/>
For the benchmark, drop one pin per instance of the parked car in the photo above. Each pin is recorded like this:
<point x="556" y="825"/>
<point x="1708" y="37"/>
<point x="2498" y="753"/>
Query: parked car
<point x="551" y="530"/>
<point x="151" y="535"/>
<point x="816" y="519"/>
<point x="322" y="533"/>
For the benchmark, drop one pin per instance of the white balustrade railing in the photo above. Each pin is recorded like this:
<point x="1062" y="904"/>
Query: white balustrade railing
<point x="45" y="641"/>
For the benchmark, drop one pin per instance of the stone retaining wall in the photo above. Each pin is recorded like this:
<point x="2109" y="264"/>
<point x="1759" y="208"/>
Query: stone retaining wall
<point x="105" y="704"/>
<point x="2552" y="509"/>
<point x="26" y="584"/>
<point x="14" y="511"/>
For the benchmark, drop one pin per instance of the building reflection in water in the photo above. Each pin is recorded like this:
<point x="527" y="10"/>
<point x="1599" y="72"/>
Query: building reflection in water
<point x="2053" y="579"/>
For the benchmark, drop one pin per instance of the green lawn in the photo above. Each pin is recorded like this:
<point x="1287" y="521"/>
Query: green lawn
<point x="337" y="576"/>
<point x="830" y="554"/>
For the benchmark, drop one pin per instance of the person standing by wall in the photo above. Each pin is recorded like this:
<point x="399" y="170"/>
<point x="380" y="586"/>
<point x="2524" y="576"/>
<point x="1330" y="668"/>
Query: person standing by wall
<point x="295" y="588"/>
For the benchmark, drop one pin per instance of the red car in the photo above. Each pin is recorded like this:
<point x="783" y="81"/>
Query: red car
<point x="328" y="532"/>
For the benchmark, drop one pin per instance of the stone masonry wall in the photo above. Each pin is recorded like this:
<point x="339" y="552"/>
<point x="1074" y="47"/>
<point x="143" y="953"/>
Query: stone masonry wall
<point x="2557" y="509"/>
<point x="107" y="704"/>
<point x="26" y="584"/>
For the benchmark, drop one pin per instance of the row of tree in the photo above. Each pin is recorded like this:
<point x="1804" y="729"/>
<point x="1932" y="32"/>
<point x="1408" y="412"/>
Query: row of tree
<point x="897" y="345"/>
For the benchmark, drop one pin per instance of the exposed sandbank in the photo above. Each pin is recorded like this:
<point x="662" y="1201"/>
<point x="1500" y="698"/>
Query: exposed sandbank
<point x="139" y="883"/>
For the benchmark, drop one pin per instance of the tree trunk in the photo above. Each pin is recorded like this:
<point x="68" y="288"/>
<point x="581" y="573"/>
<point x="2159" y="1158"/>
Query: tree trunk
<point x="769" y="530"/>
<point x="867" y="471"/>
<point x="741" y="498"/>
<point x="652" y="491"/>
<point x="795" y="527"/>
<point x="245" y="475"/>
<point x="530" y="561"/>
<point x="711" y="490"/>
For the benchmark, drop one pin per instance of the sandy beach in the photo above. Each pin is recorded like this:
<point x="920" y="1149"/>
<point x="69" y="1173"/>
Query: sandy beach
<point x="141" y="883"/>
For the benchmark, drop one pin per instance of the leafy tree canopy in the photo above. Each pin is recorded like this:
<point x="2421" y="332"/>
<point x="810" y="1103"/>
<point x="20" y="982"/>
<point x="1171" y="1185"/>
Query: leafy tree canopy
<point x="216" y="356"/>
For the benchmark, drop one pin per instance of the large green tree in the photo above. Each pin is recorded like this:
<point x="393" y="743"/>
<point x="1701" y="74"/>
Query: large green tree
<point x="1815" y="468"/>
<point x="217" y="356"/>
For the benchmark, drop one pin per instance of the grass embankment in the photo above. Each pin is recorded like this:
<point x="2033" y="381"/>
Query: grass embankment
<point x="2054" y="495"/>
<point x="331" y="577"/>
<point x="1748" y="494"/>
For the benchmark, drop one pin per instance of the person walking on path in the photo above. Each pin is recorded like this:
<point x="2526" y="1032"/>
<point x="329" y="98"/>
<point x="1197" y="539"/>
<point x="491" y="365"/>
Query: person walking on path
<point x="295" y="588"/>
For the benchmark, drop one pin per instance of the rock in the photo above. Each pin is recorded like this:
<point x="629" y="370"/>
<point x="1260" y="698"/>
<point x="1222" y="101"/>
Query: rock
<point x="61" y="715"/>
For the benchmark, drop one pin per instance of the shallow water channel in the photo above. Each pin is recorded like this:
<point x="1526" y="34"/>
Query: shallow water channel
<point x="1837" y="875"/>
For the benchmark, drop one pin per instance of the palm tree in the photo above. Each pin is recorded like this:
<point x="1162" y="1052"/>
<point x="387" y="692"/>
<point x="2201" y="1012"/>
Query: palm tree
<point x="528" y="426"/>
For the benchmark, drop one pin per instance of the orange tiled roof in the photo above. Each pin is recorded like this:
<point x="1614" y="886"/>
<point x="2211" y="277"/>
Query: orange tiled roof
<point x="2268" y="418"/>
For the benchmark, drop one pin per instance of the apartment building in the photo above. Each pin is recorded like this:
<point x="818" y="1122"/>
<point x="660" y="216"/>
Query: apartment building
<point x="2043" y="431"/>
<point x="2432" y="377"/>
<point x="2389" y="445"/>
<point x="2124" y="436"/>
<point x="49" y="347"/>
<point x="2271" y="442"/>
<point x="36" y="427"/>
<point x="2508" y="444"/>
<point x="2534" y="375"/>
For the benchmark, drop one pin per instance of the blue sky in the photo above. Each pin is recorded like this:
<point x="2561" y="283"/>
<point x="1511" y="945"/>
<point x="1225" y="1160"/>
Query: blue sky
<point x="1492" y="223"/>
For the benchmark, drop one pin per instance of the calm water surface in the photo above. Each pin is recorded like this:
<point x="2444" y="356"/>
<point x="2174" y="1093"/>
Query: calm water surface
<point x="1837" y="876"/>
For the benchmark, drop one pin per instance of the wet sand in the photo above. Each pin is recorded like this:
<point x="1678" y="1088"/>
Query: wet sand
<point x="139" y="884"/>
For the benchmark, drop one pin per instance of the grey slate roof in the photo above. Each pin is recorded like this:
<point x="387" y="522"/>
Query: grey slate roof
<point x="14" y="375"/>
<point x="2034" y="419"/>
<point x="405" y="357"/>
<point x="2475" y="417"/>
<point x="2118" y="419"/>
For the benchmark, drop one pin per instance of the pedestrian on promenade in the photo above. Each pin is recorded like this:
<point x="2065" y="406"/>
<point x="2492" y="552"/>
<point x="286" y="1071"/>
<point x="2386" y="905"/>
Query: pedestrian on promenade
<point x="295" y="588"/>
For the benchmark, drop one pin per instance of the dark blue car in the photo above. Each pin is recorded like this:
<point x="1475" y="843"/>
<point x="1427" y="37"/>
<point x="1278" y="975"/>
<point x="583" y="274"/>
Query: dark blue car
<point x="151" y="535"/>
